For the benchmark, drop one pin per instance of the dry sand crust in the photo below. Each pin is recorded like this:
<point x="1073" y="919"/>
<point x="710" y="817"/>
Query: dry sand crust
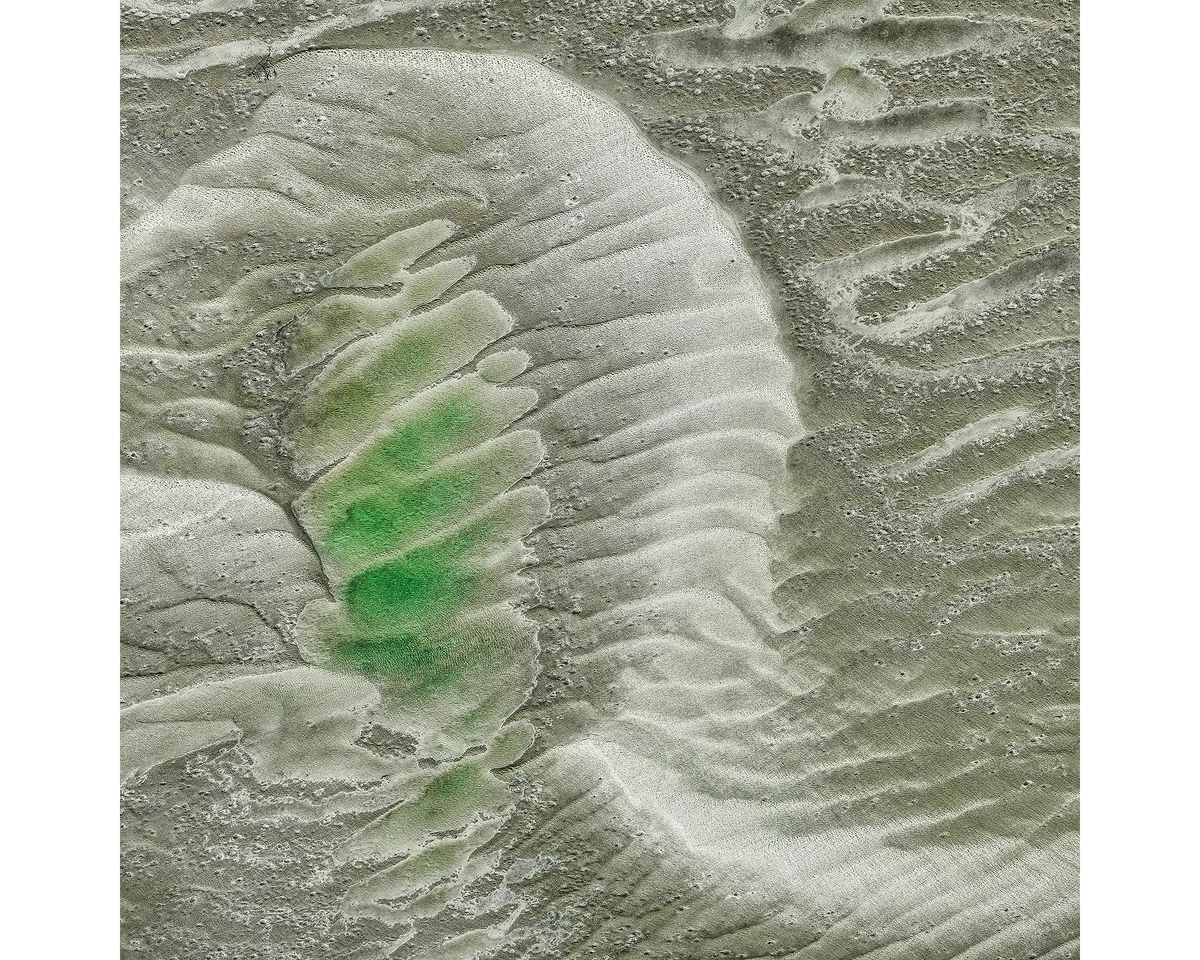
<point x="762" y="632"/>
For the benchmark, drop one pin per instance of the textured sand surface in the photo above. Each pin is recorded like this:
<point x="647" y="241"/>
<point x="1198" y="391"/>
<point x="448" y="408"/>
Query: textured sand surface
<point x="600" y="482"/>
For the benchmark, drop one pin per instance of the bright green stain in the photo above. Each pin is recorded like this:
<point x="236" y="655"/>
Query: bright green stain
<point x="383" y="522"/>
<point x="382" y="503"/>
<point x="447" y="802"/>
<point x="399" y="607"/>
<point x="424" y="584"/>
<point x="418" y="444"/>
<point x="413" y="447"/>
<point x="431" y="666"/>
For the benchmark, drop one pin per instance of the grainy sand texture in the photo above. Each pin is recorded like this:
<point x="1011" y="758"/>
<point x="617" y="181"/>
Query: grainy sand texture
<point x="599" y="480"/>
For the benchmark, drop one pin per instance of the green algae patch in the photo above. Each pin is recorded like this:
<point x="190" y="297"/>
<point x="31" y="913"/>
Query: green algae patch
<point x="384" y="521"/>
<point x="417" y="445"/>
<point x="435" y="616"/>
<point x="409" y="362"/>
<point x="432" y="666"/>
<point x="414" y="517"/>
<point x="431" y="662"/>
<point x="400" y="511"/>
<point x="448" y="802"/>
<point x="414" y="446"/>
<point x="453" y="785"/>
<point x="439" y="423"/>
<point x="452" y="799"/>
<point x="425" y="584"/>
<point x="399" y="610"/>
